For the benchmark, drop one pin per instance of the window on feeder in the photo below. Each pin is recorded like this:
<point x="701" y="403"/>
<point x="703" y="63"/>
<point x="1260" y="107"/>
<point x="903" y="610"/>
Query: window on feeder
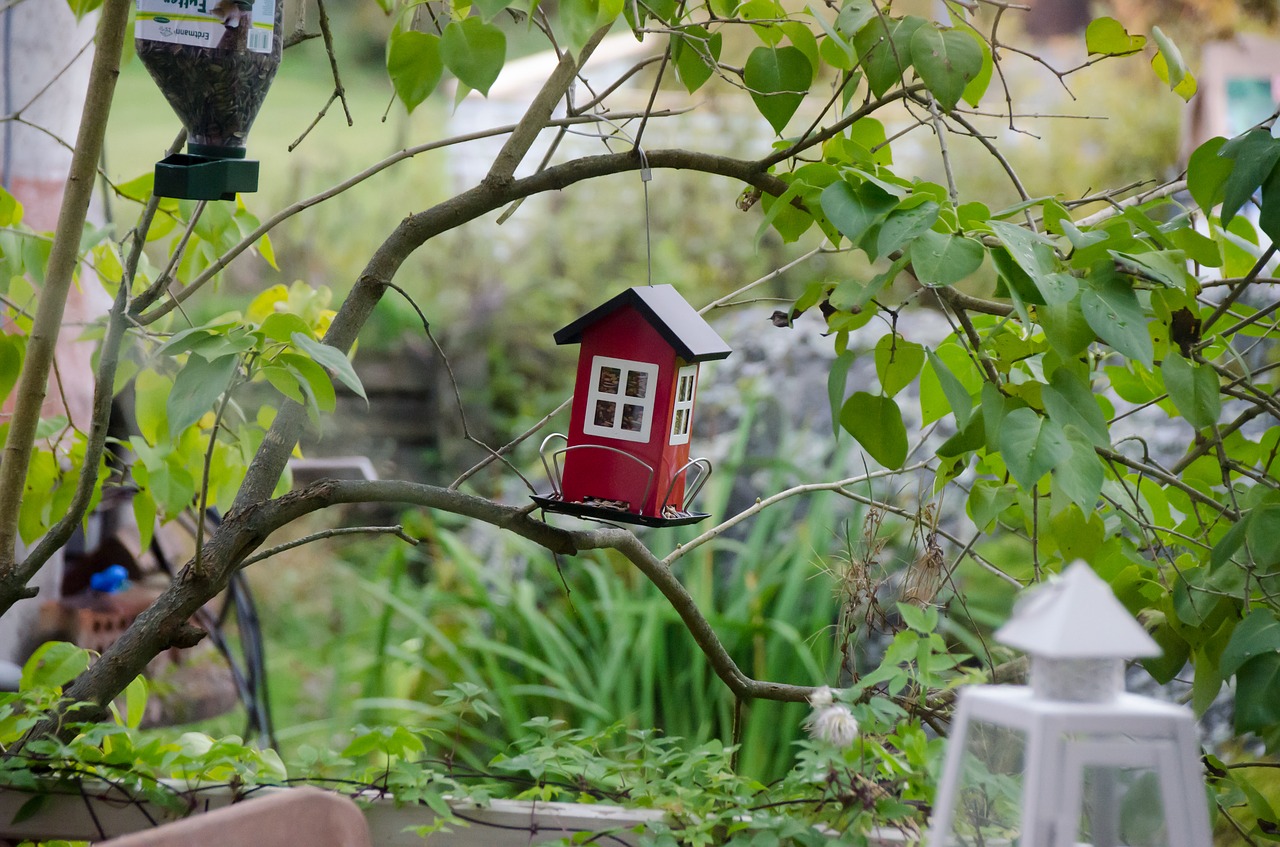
<point x="620" y="403"/>
<point x="682" y="416"/>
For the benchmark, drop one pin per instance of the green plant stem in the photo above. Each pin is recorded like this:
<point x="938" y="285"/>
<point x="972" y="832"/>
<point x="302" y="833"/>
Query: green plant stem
<point x="63" y="258"/>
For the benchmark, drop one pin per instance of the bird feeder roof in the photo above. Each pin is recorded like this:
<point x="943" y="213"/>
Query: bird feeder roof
<point x="669" y="313"/>
<point x="1076" y="616"/>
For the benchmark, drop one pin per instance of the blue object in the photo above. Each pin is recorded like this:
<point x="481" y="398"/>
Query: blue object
<point x="110" y="580"/>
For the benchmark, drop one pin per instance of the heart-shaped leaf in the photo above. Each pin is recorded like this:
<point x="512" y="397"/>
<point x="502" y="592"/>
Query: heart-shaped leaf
<point x="695" y="53"/>
<point x="1193" y="390"/>
<point x="854" y="210"/>
<point x="778" y="78"/>
<point x="1108" y="37"/>
<point x="884" y="50"/>
<point x="940" y="258"/>
<point x="947" y="60"/>
<point x="877" y="424"/>
<point x="1031" y="446"/>
<point x="474" y="52"/>
<point x="414" y="65"/>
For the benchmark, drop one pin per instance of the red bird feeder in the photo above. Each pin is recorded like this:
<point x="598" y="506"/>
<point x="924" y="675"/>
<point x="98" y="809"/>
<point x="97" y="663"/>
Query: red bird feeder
<point x="626" y="457"/>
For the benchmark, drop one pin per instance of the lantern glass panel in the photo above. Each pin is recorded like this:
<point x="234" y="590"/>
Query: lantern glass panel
<point x="605" y="412"/>
<point x="632" y="417"/>
<point x="637" y="383"/>
<point x="988" y="805"/>
<point x="1122" y="807"/>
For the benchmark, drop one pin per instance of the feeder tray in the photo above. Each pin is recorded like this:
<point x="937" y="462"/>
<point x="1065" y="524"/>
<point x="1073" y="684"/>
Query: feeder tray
<point x="193" y="176"/>
<point x="582" y="510"/>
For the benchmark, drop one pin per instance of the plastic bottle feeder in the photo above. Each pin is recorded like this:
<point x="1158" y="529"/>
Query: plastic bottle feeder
<point x="214" y="61"/>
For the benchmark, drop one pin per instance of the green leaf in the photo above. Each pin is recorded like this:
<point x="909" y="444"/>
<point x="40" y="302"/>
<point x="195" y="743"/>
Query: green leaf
<point x="474" y="52"/>
<point x="695" y="53"/>
<point x="582" y="18"/>
<point x="10" y="209"/>
<point x="1065" y="327"/>
<point x="1257" y="706"/>
<point x="1081" y="474"/>
<point x="414" y="65"/>
<point x="947" y="60"/>
<point x="1113" y="312"/>
<point x="1193" y="390"/>
<point x="898" y="362"/>
<point x="1071" y="402"/>
<point x="1030" y="250"/>
<point x="1262" y="533"/>
<point x="939" y="258"/>
<point x="904" y="225"/>
<point x="855" y="210"/>
<point x="333" y="359"/>
<point x="957" y="395"/>
<point x="83" y="7"/>
<point x="53" y="665"/>
<point x="854" y="15"/>
<point x="196" y="389"/>
<point x="876" y="423"/>
<point x="1269" y="213"/>
<point x="1108" y="37"/>
<point x="987" y="500"/>
<point x="978" y="85"/>
<point x="778" y="78"/>
<point x="1170" y="67"/>
<point x="1254" y="155"/>
<point x="1031" y="446"/>
<point x="1256" y="635"/>
<point x="135" y="702"/>
<point x="1207" y="174"/>
<point x="490" y="9"/>
<point x="837" y="381"/>
<point x="884" y="50"/>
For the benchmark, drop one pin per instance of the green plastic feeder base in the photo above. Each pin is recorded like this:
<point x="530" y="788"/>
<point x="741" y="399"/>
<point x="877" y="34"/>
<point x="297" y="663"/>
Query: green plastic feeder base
<point x="192" y="177"/>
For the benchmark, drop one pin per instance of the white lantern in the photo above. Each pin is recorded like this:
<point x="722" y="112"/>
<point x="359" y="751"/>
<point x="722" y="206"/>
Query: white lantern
<point x="1071" y="759"/>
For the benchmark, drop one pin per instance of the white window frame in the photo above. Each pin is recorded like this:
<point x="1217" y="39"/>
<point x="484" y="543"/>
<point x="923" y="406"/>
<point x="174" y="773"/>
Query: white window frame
<point x="646" y="403"/>
<point x="681" y="436"/>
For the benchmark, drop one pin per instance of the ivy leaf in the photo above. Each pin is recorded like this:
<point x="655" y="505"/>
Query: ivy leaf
<point x="1112" y="310"/>
<point x="947" y="60"/>
<point x="1193" y="390"/>
<point x="1108" y="37"/>
<point x="898" y="362"/>
<point x="695" y="53"/>
<point x="334" y="360"/>
<point x="855" y="210"/>
<point x="1031" y="446"/>
<point x="942" y="258"/>
<point x="1170" y="67"/>
<point x="1256" y="635"/>
<point x="876" y="422"/>
<point x="196" y="389"/>
<point x="778" y="78"/>
<point x="414" y="65"/>
<point x="884" y="50"/>
<point x="474" y="52"/>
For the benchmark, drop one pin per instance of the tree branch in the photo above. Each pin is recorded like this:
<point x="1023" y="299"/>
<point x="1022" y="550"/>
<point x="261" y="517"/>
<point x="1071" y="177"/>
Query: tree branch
<point x="53" y="297"/>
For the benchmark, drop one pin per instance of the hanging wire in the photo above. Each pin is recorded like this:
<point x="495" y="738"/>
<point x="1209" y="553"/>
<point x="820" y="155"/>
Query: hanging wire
<point x="645" y="176"/>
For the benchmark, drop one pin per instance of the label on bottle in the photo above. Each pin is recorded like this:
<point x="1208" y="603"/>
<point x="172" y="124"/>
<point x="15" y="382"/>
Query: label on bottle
<point x="220" y="24"/>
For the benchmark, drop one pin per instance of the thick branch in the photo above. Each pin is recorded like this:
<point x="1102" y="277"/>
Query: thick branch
<point x="164" y="623"/>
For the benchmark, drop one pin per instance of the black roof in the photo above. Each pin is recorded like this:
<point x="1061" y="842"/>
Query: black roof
<point x="668" y="312"/>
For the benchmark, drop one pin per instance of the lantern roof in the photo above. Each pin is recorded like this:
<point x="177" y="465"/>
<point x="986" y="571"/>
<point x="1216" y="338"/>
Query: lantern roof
<point x="1075" y="616"/>
<point x="668" y="313"/>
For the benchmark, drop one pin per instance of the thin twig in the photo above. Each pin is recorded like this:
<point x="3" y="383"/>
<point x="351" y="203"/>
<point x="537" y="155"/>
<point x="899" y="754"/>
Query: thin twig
<point x="397" y="531"/>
